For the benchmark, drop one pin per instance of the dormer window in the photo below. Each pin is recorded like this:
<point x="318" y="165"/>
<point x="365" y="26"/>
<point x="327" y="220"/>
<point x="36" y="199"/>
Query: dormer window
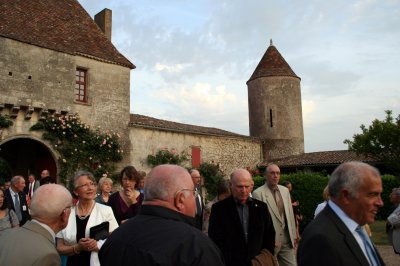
<point x="81" y="85"/>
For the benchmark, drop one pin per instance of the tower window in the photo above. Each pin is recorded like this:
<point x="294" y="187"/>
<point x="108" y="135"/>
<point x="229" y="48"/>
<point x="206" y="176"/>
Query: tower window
<point x="270" y="118"/>
<point x="80" y="85"/>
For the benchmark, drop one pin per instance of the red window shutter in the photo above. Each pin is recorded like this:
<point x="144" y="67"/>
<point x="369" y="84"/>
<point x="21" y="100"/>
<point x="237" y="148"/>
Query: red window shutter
<point x="196" y="156"/>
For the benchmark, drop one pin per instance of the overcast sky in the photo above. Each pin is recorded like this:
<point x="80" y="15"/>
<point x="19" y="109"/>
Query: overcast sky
<point x="194" y="58"/>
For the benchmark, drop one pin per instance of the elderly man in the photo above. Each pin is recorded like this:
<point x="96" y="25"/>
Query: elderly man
<point x="163" y="232"/>
<point x="196" y="178"/>
<point x="241" y="226"/>
<point x="279" y="204"/>
<point x="33" y="244"/>
<point x="16" y="199"/>
<point x="393" y="221"/>
<point x="336" y="236"/>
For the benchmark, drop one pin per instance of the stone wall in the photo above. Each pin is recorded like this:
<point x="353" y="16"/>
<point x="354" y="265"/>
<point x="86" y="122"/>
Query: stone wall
<point x="35" y="81"/>
<point x="275" y="115"/>
<point x="229" y="152"/>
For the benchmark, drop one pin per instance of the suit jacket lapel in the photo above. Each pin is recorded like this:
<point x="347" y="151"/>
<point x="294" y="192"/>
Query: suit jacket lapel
<point x="349" y="239"/>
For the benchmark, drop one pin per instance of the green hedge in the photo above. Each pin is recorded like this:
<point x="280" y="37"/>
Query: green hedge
<point x="308" y="187"/>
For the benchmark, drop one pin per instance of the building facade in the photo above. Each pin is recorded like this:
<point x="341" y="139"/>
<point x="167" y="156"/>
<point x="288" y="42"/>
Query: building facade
<point x="67" y="64"/>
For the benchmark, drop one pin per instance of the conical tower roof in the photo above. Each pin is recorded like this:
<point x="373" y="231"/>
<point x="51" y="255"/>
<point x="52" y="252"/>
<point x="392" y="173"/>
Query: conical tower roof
<point x="272" y="64"/>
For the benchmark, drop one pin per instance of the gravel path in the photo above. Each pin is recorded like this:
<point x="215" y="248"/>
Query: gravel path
<point x="389" y="257"/>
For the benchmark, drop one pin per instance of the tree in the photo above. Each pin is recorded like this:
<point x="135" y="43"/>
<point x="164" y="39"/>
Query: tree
<point x="381" y="140"/>
<point x="212" y="175"/>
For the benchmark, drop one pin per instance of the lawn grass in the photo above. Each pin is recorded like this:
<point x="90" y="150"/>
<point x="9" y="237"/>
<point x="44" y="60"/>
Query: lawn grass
<point x="379" y="236"/>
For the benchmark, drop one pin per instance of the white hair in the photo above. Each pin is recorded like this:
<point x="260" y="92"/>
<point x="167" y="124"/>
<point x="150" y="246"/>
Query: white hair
<point x="49" y="201"/>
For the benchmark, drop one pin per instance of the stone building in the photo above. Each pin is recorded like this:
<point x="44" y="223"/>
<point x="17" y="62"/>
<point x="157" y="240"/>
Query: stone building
<point x="275" y="113"/>
<point x="55" y="63"/>
<point x="60" y="62"/>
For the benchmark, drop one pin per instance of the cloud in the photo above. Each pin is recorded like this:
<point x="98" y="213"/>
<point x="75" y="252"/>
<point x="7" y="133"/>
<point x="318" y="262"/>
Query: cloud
<point x="193" y="59"/>
<point x="171" y="69"/>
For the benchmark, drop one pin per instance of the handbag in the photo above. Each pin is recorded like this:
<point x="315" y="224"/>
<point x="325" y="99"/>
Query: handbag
<point x="100" y="231"/>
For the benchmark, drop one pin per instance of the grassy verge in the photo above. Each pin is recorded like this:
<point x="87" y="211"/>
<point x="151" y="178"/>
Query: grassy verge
<point x="379" y="235"/>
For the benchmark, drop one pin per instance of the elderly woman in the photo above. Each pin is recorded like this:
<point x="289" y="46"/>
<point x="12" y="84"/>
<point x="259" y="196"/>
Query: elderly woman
<point x="8" y="218"/>
<point x="126" y="203"/>
<point x="105" y="185"/>
<point x="74" y="241"/>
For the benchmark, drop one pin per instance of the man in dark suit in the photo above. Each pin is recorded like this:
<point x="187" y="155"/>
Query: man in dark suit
<point x="336" y="236"/>
<point x="239" y="225"/>
<point x="32" y="185"/>
<point x="33" y="243"/>
<point x="16" y="199"/>
<point x="196" y="178"/>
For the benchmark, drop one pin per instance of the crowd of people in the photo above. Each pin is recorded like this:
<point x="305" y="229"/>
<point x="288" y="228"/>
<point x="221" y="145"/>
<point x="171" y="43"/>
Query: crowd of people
<point x="162" y="219"/>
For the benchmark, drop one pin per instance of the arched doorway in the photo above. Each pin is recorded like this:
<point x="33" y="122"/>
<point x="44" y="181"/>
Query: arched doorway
<point x="27" y="156"/>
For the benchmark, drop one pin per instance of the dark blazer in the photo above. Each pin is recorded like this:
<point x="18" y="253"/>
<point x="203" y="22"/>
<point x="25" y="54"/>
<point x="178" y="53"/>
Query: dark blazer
<point x="23" y="204"/>
<point x="225" y="229"/>
<point x="327" y="241"/>
<point x="199" y="213"/>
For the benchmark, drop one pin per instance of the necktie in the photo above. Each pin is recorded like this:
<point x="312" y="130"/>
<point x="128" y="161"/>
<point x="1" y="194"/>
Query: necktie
<point x="198" y="204"/>
<point x="279" y="201"/>
<point x="371" y="253"/>
<point x="17" y="207"/>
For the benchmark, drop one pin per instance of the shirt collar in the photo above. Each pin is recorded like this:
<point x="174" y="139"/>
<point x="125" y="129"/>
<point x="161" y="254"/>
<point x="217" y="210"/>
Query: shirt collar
<point x="350" y="223"/>
<point x="45" y="226"/>
<point x="12" y="192"/>
<point x="249" y="200"/>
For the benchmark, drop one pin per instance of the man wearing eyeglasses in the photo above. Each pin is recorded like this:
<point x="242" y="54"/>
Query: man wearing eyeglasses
<point x="241" y="226"/>
<point x="163" y="232"/>
<point x="34" y="243"/>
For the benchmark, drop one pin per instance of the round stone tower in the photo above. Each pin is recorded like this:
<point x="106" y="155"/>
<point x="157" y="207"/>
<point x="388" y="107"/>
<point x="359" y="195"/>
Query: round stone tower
<point x="275" y="113"/>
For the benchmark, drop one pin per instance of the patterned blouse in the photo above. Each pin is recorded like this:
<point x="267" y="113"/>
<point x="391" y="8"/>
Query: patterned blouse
<point x="9" y="220"/>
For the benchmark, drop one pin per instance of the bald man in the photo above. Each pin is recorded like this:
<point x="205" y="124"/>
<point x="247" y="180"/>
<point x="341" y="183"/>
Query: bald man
<point x="163" y="232"/>
<point x="33" y="244"/>
<point x="240" y="225"/>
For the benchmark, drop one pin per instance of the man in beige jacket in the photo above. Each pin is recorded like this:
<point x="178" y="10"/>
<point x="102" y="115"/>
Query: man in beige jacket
<point x="279" y="204"/>
<point x="34" y="243"/>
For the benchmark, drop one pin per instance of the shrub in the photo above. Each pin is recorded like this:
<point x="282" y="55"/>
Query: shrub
<point x="79" y="146"/>
<point x="212" y="175"/>
<point x="5" y="121"/>
<point x="164" y="156"/>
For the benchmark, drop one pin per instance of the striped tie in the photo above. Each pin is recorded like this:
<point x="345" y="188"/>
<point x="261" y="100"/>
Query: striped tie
<point x="371" y="253"/>
<point x="17" y="207"/>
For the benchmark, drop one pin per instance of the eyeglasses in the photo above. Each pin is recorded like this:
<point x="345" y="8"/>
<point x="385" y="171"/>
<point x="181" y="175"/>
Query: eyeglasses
<point x="194" y="191"/>
<point x="87" y="185"/>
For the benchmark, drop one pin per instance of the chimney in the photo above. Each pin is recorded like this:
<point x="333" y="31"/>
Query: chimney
<point x="103" y="19"/>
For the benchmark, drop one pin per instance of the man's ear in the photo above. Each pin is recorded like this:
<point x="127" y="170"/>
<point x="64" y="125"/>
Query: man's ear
<point x="179" y="201"/>
<point x="64" y="217"/>
<point x="345" y="196"/>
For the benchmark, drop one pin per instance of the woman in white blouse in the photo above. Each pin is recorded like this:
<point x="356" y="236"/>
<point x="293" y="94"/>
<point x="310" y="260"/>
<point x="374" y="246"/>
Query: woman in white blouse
<point x="74" y="240"/>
